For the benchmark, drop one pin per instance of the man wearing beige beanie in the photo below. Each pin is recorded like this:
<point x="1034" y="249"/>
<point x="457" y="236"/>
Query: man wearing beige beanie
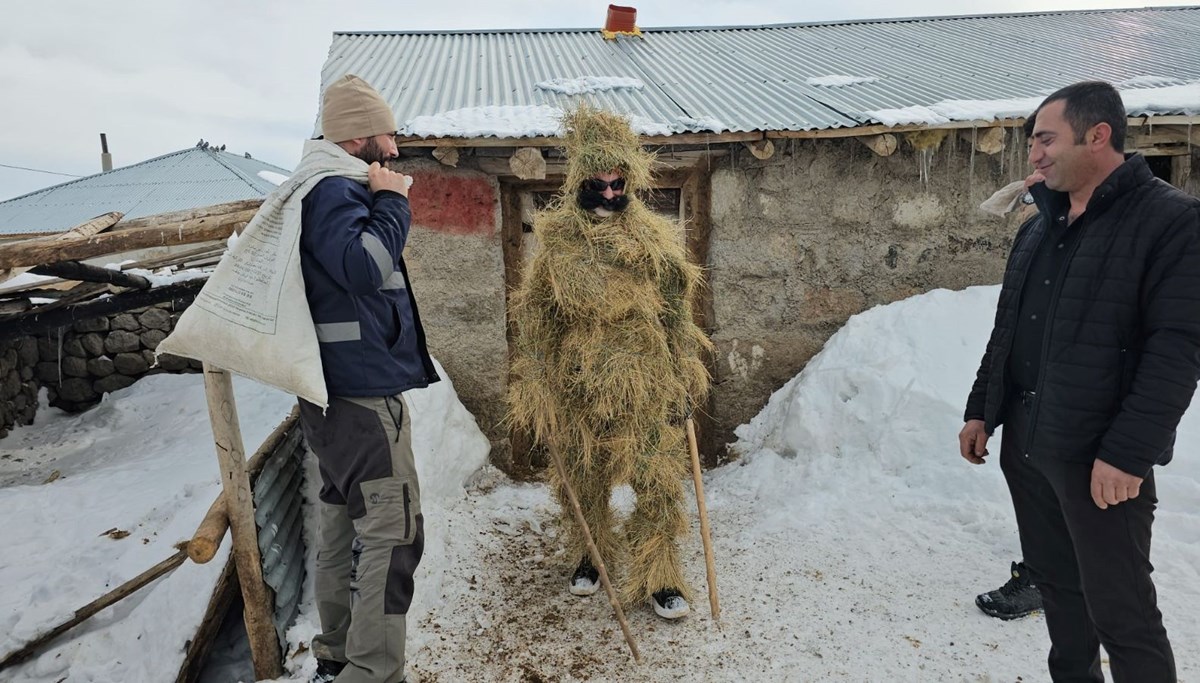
<point x="372" y="349"/>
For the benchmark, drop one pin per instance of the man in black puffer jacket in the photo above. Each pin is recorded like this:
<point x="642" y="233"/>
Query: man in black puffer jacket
<point x="1093" y="360"/>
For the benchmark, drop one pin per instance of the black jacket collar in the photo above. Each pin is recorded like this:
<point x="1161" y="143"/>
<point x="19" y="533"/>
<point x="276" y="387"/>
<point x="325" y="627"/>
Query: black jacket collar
<point x="1129" y="175"/>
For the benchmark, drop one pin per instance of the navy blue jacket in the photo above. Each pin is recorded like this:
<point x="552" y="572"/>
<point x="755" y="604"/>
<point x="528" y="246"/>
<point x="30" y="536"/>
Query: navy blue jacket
<point x="1121" y="352"/>
<point x="351" y="246"/>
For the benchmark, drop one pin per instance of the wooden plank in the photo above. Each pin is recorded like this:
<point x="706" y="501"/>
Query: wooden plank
<point x="190" y="214"/>
<point x="258" y="597"/>
<point x="204" y="229"/>
<point x="180" y="294"/>
<point x="216" y="247"/>
<point x="86" y="229"/>
<point x="87" y="611"/>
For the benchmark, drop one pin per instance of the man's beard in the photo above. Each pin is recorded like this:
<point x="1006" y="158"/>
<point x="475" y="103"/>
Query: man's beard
<point x="371" y="153"/>
<point x="590" y="201"/>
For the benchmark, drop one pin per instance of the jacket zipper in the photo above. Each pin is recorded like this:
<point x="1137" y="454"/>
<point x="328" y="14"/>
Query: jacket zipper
<point x="407" y="516"/>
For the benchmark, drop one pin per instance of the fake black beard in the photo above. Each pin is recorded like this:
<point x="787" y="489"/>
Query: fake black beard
<point x="590" y="201"/>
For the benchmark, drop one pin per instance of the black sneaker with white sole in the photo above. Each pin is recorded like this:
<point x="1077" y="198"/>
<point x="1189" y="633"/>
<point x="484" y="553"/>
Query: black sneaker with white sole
<point x="669" y="604"/>
<point x="1015" y="599"/>
<point x="586" y="579"/>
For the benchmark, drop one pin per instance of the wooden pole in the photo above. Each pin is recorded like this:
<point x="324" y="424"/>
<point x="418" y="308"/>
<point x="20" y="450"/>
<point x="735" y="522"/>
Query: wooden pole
<point x="227" y="436"/>
<point x="85" y="272"/>
<point x="203" y="546"/>
<point x="597" y="561"/>
<point x="705" y="536"/>
<point x="87" y="611"/>
<point x="201" y="229"/>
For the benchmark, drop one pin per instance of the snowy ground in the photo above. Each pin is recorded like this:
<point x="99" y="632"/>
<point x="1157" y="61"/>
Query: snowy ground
<point x="126" y="481"/>
<point x="850" y="540"/>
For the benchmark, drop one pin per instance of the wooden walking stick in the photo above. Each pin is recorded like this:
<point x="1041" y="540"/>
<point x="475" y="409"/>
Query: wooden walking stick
<point x="597" y="561"/>
<point x="705" y="535"/>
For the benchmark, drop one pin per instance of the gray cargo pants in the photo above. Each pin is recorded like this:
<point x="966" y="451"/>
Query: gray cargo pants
<point x="371" y="533"/>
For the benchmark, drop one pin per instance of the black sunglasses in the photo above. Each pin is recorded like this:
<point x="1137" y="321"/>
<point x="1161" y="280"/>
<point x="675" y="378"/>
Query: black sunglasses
<point x="597" y="185"/>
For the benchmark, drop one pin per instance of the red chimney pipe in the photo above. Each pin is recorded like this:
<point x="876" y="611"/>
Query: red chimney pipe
<point x="621" y="19"/>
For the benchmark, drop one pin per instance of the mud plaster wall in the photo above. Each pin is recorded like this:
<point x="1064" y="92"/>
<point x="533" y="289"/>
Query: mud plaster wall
<point x="456" y="267"/>
<point x="825" y="229"/>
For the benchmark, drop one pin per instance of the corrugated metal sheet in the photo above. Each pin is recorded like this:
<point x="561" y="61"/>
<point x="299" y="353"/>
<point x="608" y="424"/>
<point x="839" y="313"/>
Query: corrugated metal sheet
<point x="278" y="503"/>
<point x="754" y="78"/>
<point x="173" y="182"/>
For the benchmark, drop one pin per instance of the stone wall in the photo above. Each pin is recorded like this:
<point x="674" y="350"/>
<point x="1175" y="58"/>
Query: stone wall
<point x="18" y="386"/>
<point x="81" y="363"/>
<point x="456" y="266"/>
<point x="825" y="229"/>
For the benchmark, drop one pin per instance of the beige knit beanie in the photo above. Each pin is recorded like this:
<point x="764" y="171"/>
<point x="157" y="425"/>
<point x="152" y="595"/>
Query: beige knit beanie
<point x="352" y="109"/>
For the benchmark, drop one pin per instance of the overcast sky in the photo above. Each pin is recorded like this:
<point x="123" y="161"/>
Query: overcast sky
<point x="159" y="75"/>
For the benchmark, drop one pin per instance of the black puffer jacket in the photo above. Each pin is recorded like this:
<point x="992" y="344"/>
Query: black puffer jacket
<point x="1121" y="356"/>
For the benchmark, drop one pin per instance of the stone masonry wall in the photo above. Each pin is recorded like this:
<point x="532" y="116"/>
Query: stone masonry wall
<point x="825" y="229"/>
<point x="81" y="363"/>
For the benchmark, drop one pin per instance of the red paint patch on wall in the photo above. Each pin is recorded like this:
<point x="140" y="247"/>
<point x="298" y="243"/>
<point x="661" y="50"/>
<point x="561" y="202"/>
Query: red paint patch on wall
<point x="453" y="204"/>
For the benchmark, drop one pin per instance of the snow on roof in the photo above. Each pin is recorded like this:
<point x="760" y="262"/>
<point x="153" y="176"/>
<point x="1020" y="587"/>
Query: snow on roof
<point x="589" y="84"/>
<point x="837" y="81"/>
<point x="534" y="121"/>
<point x="1140" y="99"/>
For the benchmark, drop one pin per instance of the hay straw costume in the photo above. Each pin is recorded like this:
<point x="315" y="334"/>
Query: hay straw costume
<point x="608" y="357"/>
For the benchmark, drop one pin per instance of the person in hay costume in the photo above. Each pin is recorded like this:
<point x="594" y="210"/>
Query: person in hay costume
<point x="608" y="359"/>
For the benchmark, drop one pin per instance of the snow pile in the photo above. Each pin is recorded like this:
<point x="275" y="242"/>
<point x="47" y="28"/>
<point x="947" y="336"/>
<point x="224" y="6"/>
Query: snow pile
<point x="837" y="81"/>
<point x="1145" y="99"/>
<point x="589" y="84"/>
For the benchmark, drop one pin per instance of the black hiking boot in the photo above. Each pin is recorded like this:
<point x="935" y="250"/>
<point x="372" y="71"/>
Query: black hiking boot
<point x="1013" y="600"/>
<point x="327" y="670"/>
<point x="586" y="579"/>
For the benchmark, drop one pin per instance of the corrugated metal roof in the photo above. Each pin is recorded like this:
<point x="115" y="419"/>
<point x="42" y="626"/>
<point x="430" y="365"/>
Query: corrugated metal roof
<point x="278" y="502"/>
<point x="754" y="78"/>
<point x="187" y="179"/>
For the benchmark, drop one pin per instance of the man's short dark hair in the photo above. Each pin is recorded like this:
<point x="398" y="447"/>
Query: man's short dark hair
<point x="1029" y="124"/>
<point x="1089" y="103"/>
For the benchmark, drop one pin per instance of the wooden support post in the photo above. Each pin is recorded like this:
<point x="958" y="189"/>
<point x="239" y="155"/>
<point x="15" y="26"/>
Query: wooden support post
<point x="986" y="140"/>
<point x="203" y="546"/>
<point x="87" y="611"/>
<point x="884" y="145"/>
<point x="259" y="601"/>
